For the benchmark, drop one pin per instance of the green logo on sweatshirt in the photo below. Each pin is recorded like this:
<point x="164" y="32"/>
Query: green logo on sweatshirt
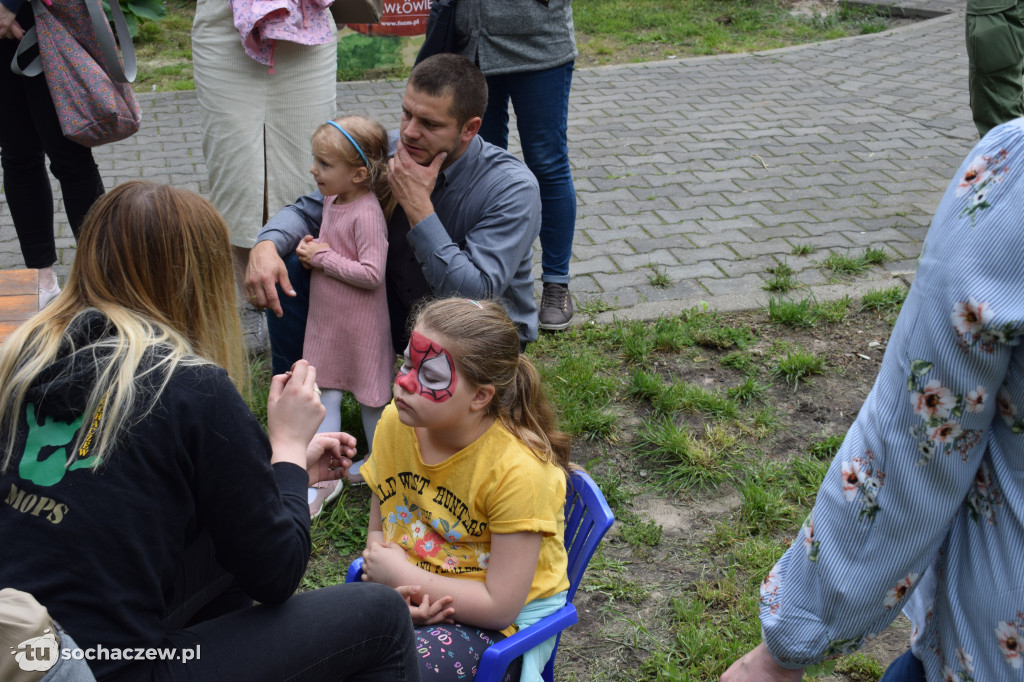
<point x="47" y="449"/>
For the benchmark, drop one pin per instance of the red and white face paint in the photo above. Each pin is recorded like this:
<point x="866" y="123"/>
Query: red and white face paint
<point x="428" y="370"/>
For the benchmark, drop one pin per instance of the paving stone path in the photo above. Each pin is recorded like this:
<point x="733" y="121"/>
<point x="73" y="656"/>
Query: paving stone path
<point x="700" y="174"/>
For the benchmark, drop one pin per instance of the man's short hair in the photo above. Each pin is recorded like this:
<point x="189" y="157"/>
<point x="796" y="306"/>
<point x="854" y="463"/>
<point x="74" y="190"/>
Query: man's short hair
<point x="453" y="74"/>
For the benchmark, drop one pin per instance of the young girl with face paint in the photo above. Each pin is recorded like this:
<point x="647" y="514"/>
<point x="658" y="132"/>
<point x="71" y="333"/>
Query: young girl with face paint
<point x="469" y="479"/>
<point x="348" y="334"/>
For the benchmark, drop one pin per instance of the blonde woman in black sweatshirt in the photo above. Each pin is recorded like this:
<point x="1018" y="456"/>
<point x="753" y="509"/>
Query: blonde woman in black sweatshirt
<point x="143" y="504"/>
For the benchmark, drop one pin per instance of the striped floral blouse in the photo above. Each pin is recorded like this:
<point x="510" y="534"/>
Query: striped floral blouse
<point x="923" y="508"/>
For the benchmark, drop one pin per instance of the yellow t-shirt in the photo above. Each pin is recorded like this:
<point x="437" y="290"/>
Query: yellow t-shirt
<point x="444" y="514"/>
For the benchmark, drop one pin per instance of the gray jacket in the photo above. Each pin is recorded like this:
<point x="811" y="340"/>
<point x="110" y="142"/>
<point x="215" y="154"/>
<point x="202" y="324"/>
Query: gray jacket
<point x="510" y="36"/>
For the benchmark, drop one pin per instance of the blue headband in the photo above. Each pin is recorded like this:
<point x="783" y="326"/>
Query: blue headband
<point x="355" y="144"/>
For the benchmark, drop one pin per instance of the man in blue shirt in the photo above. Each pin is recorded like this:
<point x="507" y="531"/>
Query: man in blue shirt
<point x="468" y="214"/>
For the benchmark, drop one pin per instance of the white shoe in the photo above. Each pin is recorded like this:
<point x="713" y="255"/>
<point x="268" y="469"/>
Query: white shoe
<point x="354" y="477"/>
<point x="47" y="295"/>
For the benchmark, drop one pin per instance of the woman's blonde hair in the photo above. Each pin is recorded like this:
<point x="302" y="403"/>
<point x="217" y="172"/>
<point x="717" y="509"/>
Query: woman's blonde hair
<point x="155" y="262"/>
<point x="485" y="345"/>
<point x="373" y="141"/>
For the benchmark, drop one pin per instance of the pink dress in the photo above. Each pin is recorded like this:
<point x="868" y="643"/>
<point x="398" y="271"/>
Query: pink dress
<point x="348" y="335"/>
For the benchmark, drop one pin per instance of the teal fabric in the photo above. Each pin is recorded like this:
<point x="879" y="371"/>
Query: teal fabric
<point x="536" y="658"/>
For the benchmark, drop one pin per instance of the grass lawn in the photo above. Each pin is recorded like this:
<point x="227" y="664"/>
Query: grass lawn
<point x="607" y="31"/>
<point x="709" y="434"/>
<point x="618" y="31"/>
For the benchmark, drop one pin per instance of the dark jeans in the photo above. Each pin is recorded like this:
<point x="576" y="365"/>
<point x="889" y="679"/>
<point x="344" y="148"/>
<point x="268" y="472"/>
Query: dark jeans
<point x="541" y="103"/>
<point x="288" y="333"/>
<point x="357" y="631"/>
<point x="906" y="668"/>
<point x="30" y="132"/>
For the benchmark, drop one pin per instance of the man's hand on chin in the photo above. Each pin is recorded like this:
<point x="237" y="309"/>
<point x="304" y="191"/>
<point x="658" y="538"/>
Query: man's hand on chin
<point x="412" y="184"/>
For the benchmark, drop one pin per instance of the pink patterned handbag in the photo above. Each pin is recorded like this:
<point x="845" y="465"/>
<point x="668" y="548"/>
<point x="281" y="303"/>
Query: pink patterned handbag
<point x="87" y="82"/>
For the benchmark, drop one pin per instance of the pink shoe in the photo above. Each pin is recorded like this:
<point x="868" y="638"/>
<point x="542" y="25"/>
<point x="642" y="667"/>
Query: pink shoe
<point x="321" y="495"/>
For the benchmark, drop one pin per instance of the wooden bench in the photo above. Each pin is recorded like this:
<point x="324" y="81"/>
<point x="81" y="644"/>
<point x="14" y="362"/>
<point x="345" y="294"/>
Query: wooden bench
<point x="19" y="299"/>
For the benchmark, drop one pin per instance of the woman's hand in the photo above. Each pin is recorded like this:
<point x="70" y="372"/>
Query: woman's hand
<point x="293" y="413"/>
<point x="329" y="455"/>
<point x="759" y="666"/>
<point x="383" y="563"/>
<point x="424" y="612"/>
<point x="9" y="28"/>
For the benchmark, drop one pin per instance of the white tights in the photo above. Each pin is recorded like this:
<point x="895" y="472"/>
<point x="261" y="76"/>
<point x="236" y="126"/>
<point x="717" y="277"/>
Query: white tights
<point x="331" y="399"/>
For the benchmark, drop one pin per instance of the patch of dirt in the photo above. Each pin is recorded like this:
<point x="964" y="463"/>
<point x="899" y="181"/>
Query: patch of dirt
<point x="686" y="522"/>
<point x="618" y="631"/>
<point x="811" y="8"/>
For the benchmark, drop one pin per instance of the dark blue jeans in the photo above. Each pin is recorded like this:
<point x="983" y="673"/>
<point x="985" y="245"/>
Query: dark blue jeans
<point x="906" y="668"/>
<point x="288" y="333"/>
<point x="541" y="103"/>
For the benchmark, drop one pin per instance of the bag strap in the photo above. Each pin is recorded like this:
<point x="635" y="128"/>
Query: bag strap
<point x="35" y="67"/>
<point x="111" y="62"/>
<point x="119" y="74"/>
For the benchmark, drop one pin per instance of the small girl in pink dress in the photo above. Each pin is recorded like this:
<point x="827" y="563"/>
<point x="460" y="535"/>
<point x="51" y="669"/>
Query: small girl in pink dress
<point x="348" y="335"/>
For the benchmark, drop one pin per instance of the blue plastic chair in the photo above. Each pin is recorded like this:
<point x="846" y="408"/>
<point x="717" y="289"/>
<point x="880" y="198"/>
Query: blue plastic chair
<point x="587" y="519"/>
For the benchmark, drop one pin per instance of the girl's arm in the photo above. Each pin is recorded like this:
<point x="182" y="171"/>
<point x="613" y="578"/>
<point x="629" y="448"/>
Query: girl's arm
<point x="493" y="604"/>
<point x="375" y="530"/>
<point x="366" y="271"/>
<point x="424" y="609"/>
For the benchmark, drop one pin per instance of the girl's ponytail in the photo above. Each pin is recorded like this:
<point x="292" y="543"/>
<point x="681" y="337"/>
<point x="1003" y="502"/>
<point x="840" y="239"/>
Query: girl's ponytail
<point x="382" y="188"/>
<point x="532" y="418"/>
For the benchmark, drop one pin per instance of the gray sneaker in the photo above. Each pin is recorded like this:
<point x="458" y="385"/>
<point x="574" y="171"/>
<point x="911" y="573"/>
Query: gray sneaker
<point x="254" y="330"/>
<point x="555" y="307"/>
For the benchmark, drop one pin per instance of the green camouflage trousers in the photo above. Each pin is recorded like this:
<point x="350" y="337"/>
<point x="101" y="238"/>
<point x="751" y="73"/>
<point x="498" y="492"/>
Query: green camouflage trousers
<point x="995" y="51"/>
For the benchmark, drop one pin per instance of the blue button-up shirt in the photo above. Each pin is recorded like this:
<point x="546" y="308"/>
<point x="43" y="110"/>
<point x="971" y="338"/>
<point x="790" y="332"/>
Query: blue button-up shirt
<point x="478" y="243"/>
